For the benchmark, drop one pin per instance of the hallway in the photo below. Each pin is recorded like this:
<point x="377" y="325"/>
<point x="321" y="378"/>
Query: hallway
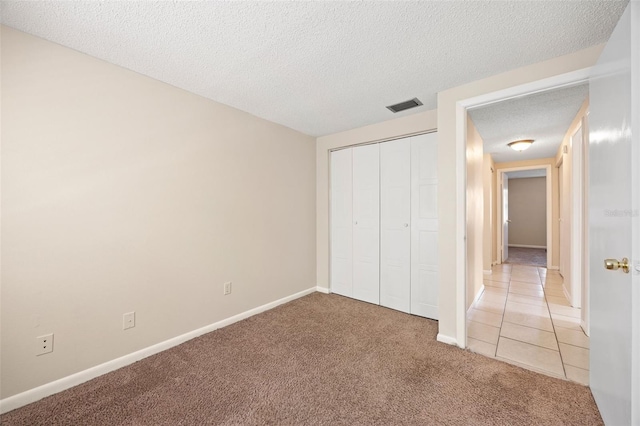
<point x="523" y="318"/>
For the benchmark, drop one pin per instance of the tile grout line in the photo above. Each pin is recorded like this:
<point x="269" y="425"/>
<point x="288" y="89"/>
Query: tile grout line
<point x="564" y="370"/>
<point x="545" y="303"/>
<point x="504" y="310"/>
<point x="534" y="328"/>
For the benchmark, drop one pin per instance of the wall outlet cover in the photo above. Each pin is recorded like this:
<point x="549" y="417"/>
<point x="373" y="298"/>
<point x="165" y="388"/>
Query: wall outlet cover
<point x="44" y="344"/>
<point x="128" y="320"/>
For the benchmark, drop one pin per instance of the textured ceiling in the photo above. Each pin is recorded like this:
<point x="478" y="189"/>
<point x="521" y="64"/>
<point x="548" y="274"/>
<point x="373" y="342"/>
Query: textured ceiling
<point x="318" y="67"/>
<point x="544" y="117"/>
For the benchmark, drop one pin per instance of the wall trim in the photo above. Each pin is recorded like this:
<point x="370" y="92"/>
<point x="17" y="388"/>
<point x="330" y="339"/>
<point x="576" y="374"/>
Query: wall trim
<point x="324" y="290"/>
<point x="584" y="327"/>
<point x="35" y="394"/>
<point x="553" y="268"/>
<point x="527" y="246"/>
<point x="567" y="295"/>
<point x="446" y="339"/>
<point x="549" y="209"/>
<point x="475" y="299"/>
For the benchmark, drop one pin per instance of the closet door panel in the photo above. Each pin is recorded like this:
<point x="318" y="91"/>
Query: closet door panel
<point x="395" y="217"/>
<point x="424" y="226"/>
<point x="366" y="223"/>
<point x="342" y="222"/>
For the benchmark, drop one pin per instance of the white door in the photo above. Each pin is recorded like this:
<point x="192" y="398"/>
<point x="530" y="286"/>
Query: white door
<point x="505" y="217"/>
<point x="614" y="223"/>
<point x="341" y="223"/>
<point x="395" y="216"/>
<point x="424" y="225"/>
<point x="366" y="223"/>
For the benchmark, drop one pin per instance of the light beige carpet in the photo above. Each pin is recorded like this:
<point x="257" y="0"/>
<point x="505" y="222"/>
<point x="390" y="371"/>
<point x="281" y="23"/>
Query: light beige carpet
<point x="319" y="360"/>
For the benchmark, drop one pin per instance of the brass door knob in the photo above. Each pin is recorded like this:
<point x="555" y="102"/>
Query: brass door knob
<point x="614" y="264"/>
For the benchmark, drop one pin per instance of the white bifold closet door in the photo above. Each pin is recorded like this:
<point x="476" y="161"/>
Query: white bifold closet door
<point x="424" y="225"/>
<point x="395" y="217"/>
<point x="342" y="223"/>
<point x="366" y="223"/>
<point x="384" y="224"/>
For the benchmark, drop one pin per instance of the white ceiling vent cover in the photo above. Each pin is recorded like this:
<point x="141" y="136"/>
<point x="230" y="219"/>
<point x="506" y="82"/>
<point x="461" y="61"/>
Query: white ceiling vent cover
<point x="404" y="105"/>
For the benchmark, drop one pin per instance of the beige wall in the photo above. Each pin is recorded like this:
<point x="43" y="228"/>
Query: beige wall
<point x="391" y="129"/>
<point x="528" y="211"/>
<point x="475" y="211"/>
<point x="488" y="239"/>
<point x="121" y="193"/>
<point x="451" y="180"/>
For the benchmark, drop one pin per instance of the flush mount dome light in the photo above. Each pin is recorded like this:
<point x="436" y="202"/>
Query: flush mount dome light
<point x="520" y="145"/>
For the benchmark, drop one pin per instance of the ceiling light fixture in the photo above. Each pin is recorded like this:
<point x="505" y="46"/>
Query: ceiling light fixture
<point x="520" y="145"/>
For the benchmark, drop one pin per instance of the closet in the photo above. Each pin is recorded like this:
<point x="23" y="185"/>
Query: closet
<point x="384" y="224"/>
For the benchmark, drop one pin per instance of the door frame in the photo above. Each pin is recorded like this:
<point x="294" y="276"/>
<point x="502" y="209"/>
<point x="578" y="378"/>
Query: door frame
<point x="549" y="206"/>
<point x="558" y="81"/>
<point x="578" y="224"/>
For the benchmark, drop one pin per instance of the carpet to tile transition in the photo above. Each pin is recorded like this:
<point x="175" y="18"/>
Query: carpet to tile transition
<point x="527" y="256"/>
<point x="321" y="359"/>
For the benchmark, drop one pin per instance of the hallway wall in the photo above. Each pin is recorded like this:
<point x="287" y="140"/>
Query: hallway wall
<point x="475" y="207"/>
<point x="528" y="212"/>
<point x="488" y="243"/>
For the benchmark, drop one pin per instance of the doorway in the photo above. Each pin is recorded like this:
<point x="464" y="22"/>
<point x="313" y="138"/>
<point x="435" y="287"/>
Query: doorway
<point x="525" y="197"/>
<point x="520" y="313"/>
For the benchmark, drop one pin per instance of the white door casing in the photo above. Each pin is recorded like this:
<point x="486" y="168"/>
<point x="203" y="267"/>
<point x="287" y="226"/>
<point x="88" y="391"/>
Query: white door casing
<point x="576" y="218"/>
<point x="424" y="225"/>
<point x="505" y="217"/>
<point x="395" y="218"/>
<point x="366" y="223"/>
<point x="341" y="223"/>
<point x="614" y="223"/>
<point x="564" y="205"/>
<point x="500" y="211"/>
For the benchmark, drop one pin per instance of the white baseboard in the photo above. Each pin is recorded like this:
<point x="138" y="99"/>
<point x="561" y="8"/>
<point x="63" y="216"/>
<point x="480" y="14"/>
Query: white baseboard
<point x="567" y="295"/>
<point x="478" y="295"/>
<point x="324" y="290"/>
<point x="446" y="339"/>
<point x="553" y="268"/>
<point x="527" y="246"/>
<point x="585" y="329"/>
<point x="35" y="394"/>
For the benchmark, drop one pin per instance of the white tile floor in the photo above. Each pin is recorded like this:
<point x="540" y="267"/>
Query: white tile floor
<point x="523" y="318"/>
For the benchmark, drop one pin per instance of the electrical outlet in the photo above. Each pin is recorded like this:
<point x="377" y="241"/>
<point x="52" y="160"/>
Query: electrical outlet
<point x="227" y="288"/>
<point x="128" y="320"/>
<point x="44" y="344"/>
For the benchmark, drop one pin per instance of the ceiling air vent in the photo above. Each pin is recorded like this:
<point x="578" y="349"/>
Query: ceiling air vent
<point x="404" y="105"/>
